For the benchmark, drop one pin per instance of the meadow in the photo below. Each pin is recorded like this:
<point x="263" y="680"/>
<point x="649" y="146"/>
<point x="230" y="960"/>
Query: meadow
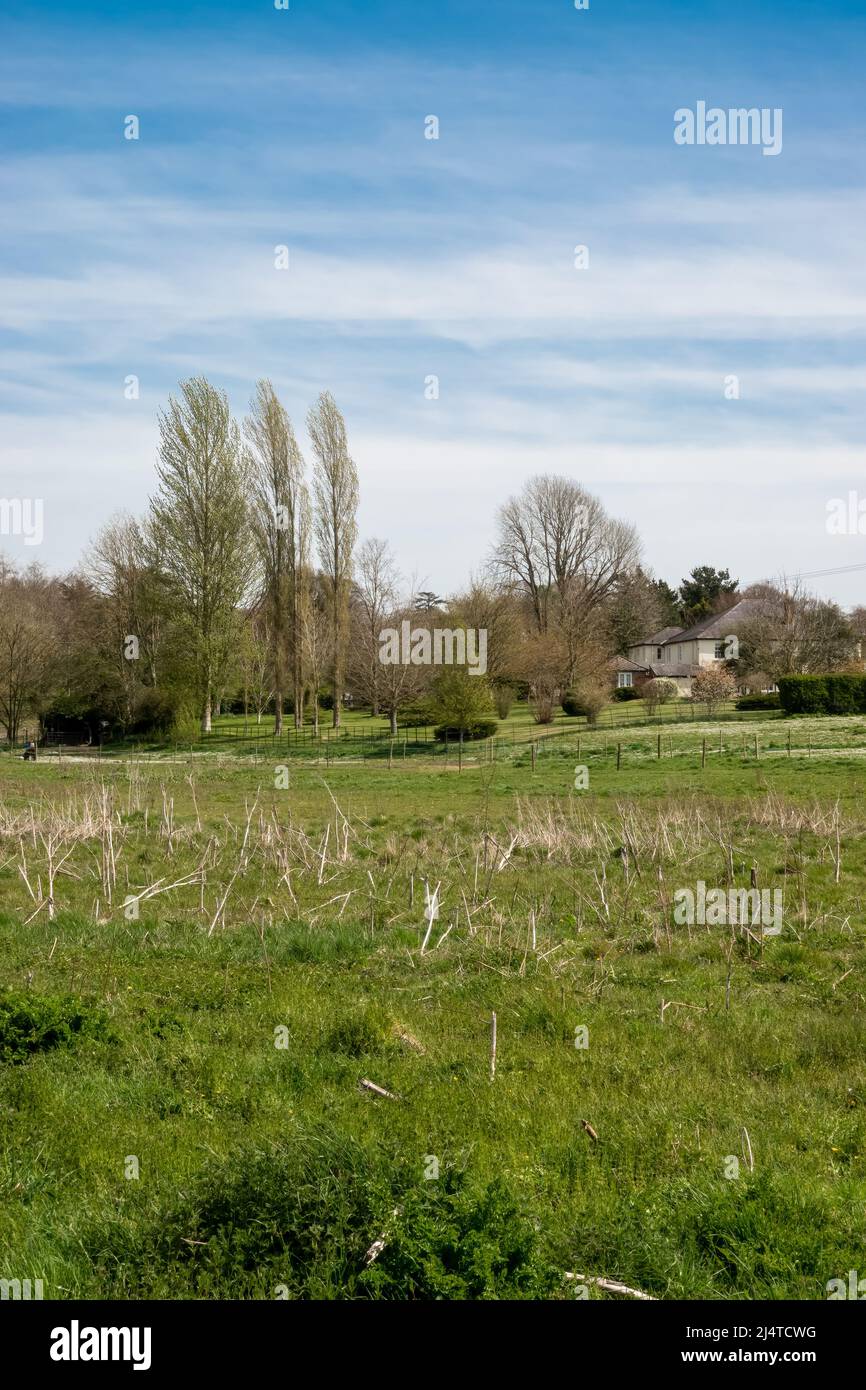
<point x="238" y="1060"/>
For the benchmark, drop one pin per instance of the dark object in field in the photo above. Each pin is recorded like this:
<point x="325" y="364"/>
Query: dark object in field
<point x="478" y="729"/>
<point x="29" y="754"/>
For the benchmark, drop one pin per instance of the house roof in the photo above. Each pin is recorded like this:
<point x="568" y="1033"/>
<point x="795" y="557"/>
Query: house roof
<point x="722" y="624"/>
<point x="672" y="669"/>
<point x="624" y="663"/>
<point x="658" y="639"/>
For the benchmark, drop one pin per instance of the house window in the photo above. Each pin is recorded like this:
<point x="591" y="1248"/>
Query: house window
<point x="679" y="651"/>
<point x="720" y="651"/>
<point x="658" y="653"/>
<point x="623" y="679"/>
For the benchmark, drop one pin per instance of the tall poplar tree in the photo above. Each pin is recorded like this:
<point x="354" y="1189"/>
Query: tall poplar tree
<point x="335" y="481"/>
<point x="280" y="510"/>
<point x="199" y="527"/>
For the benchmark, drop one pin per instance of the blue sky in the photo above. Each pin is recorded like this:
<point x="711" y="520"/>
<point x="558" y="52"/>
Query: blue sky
<point x="452" y="257"/>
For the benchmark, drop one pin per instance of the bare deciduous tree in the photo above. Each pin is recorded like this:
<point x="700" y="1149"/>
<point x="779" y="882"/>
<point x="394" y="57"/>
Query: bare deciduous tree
<point x="792" y="632"/>
<point x="119" y="566"/>
<point x="27" y="649"/>
<point x="256" y="661"/>
<point x="374" y="596"/>
<point x="495" y="610"/>
<point x="401" y="685"/>
<point x="558" y="546"/>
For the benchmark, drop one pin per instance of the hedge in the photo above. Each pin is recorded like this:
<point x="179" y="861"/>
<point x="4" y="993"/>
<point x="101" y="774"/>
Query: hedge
<point x="759" y="701"/>
<point x="482" y="728"/>
<point x="830" y="694"/>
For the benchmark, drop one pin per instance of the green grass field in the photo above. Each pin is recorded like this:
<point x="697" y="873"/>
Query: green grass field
<point x="364" y="735"/>
<point x="181" y="1107"/>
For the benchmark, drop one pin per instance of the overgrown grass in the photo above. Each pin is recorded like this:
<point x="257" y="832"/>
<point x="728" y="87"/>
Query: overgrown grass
<point x="215" y="1042"/>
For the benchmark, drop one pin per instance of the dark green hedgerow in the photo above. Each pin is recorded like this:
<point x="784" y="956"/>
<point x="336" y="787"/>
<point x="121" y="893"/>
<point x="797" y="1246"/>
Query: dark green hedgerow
<point x="839" y="693"/>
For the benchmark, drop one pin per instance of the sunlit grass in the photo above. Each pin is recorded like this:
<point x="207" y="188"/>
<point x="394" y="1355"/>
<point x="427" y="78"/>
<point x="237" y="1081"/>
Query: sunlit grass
<point x="704" y="1044"/>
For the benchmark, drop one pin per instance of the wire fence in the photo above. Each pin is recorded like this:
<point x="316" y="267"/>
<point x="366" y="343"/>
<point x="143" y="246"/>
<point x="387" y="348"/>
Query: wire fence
<point x="627" y="739"/>
<point x="625" y="747"/>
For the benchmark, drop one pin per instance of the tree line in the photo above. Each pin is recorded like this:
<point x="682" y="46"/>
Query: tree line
<point x="245" y="586"/>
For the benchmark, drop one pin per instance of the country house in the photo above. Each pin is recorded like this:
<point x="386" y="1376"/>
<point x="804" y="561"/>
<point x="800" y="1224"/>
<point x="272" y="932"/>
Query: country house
<point x="677" y="653"/>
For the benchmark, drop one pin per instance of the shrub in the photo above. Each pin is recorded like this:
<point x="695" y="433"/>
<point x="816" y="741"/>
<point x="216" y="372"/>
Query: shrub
<point x="481" y="728"/>
<point x="31" y="1023"/>
<point x="186" y="724"/>
<point x="503" y="698"/>
<point x="572" y="704"/>
<point x="626" y="692"/>
<point x="459" y="1242"/>
<point x="461" y="701"/>
<point x="414" y="716"/>
<point x="155" y="712"/>
<point x="300" y="1217"/>
<point x="759" y="701"/>
<point x="659" y="691"/>
<point x="358" y="1034"/>
<point x="712" y="686"/>
<point x="542" y="702"/>
<point x="588" y="700"/>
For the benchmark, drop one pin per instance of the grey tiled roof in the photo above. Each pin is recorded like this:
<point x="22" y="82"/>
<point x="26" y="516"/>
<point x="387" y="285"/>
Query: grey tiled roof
<point x="723" y="624"/>
<point x="625" y="663"/>
<point x="673" y="668"/>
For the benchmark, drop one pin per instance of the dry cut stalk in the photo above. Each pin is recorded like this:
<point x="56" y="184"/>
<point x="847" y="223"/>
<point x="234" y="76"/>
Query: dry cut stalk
<point x="611" y="1286"/>
<point x="749" y="1149"/>
<point x="381" y="1241"/>
<point x="377" y="1090"/>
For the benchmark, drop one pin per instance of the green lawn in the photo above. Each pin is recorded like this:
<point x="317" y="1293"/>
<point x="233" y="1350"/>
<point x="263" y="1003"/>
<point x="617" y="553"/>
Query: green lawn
<point x="519" y="724"/>
<point x="216" y="1042"/>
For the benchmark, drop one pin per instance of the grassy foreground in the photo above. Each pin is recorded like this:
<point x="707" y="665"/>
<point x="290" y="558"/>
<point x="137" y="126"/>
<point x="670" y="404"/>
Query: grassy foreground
<point x="181" y="1107"/>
